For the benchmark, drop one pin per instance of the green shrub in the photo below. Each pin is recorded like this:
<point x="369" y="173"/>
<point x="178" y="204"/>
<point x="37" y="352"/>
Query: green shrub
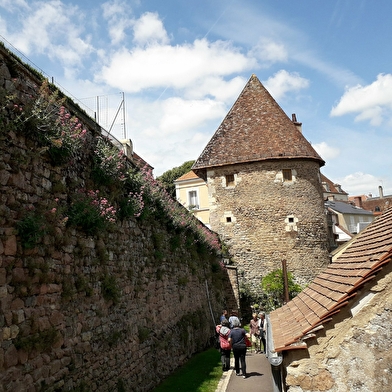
<point x="41" y="341"/>
<point x="109" y="289"/>
<point x="114" y="337"/>
<point x="143" y="333"/>
<point x="85" y="216"/>
<point x="273" y="287"/>
<point x="31" y="229"/>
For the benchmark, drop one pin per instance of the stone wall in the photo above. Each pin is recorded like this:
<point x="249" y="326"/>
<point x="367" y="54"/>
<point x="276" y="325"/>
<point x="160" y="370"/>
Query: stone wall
<point x="254" y="218"/>
<point x="353" y="353"/>
<point x="117" y="310"/>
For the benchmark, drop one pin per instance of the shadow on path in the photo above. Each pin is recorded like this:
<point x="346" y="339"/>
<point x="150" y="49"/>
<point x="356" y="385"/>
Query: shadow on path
<point x="259" y="376"/>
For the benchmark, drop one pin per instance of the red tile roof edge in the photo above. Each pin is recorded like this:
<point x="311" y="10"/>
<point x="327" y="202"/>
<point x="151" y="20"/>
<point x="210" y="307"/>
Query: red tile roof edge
<point x="365" y="266"/>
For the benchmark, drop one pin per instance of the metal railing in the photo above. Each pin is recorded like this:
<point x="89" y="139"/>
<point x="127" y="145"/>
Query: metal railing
<point x="88" y="111"/>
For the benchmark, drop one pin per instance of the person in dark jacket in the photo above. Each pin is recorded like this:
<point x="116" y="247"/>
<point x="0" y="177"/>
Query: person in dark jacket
<point x="238" y="344"/>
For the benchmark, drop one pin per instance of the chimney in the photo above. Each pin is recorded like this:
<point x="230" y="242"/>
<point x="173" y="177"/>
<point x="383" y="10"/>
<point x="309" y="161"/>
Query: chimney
<point x="358" y="201"/>
<point x="296" y="123"/>
<point x="380" y="192"/>
<point x="127" y="148"/>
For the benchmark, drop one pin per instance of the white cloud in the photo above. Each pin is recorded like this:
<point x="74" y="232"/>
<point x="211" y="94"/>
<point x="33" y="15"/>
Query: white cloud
<point x="217" y="87"/>
<point x="338" y="75"/>
<point x="54" y="30"/>
<point x="13" y="4"/>
<point x="180" y="66"/>
<point x="45" y="24"/>
<point x="269" y="51"/>
<point x="180" y="114"/>
<point x="118" y="16"/>
<point x="282" y="82"/>
<point x="373" y="102"/>
<point x="360" y="183"/>
<point x="325" y="151"/>
<point x="149" y="30"/>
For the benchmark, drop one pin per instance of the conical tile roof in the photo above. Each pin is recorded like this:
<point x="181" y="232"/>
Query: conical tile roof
<point x="255" y="129"/>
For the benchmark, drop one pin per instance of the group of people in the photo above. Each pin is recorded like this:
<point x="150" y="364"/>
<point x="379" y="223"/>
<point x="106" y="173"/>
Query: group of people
<point x="257" y="332"/>
<point x="233" y="337"/>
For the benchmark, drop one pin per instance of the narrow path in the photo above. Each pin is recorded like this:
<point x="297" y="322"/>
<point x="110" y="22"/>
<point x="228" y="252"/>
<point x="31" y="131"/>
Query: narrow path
<point x="259" y="376"/>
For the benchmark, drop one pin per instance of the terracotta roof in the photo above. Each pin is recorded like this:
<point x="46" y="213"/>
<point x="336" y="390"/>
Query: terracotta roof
<point x="332" y="187"/>
<point x="255" y="129"/>
<point x="332" y="288"/>
<point x="191" y="175"/>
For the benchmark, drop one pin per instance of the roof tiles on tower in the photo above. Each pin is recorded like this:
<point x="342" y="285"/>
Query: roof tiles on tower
<point x="255" y="129"/>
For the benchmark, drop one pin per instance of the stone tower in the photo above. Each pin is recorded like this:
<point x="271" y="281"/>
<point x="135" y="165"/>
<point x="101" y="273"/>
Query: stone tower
<point x="265" y="191"/>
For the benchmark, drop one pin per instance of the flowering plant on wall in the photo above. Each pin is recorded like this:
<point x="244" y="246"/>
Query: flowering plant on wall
<point x="135" y="193"/>
<point x="110" y="163"/>
<point x="178" y="215"/>
<point x="46" y="119"/>
<point x="90" y="212"/>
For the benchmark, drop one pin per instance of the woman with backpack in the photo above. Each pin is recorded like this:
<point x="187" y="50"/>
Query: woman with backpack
<point x="225" y="348"/>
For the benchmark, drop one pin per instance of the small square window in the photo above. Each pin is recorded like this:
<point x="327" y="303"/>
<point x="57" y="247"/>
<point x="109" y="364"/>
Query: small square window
<point x="230" y="180"/>
<point x="291" y="219"/>
<point x="287" y="175"/>
<point x="228" y="219"/>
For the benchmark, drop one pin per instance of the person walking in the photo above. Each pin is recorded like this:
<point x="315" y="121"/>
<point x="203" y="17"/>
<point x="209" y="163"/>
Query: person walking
<point x="225" y="348"/>
<point x="262" y="326"/>
<point x="223" y="316"/>
<point x="233" y="318"/>
<point x="254" y="333"/>
<point x="238" y="344"/>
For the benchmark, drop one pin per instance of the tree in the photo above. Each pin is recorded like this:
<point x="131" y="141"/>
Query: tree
<point x="168" y="177"/>
<point x="273" y="286"/>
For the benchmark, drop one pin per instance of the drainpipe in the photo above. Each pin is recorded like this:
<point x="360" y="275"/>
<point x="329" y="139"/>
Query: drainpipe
<point x="274" y="358"/>
<point x="285" y="282"/>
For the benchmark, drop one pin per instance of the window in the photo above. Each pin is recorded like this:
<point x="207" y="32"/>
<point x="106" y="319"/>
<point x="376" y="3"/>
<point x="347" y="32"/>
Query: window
<point x="291" y="223"/>
<point x="287" y="175"/>
<point x="228" y="219"/>
<point x="230" y="180"/>
<point x="193" y="202"/>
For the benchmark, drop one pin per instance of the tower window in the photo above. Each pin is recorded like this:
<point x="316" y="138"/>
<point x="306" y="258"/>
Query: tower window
<point x="230" y="180"/>
<point x="287" y="175"/>
<point x="228" y="219"/>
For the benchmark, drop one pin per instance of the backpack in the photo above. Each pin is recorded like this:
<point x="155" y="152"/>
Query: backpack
<point x="224" y="343"/>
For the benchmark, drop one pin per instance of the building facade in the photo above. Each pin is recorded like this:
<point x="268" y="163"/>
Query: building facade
<point x="192" y="193"/>
<point x="265" y="190"/>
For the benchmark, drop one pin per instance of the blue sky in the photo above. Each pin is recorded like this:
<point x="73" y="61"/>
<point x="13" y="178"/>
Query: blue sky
<point x="182" y="63"/>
